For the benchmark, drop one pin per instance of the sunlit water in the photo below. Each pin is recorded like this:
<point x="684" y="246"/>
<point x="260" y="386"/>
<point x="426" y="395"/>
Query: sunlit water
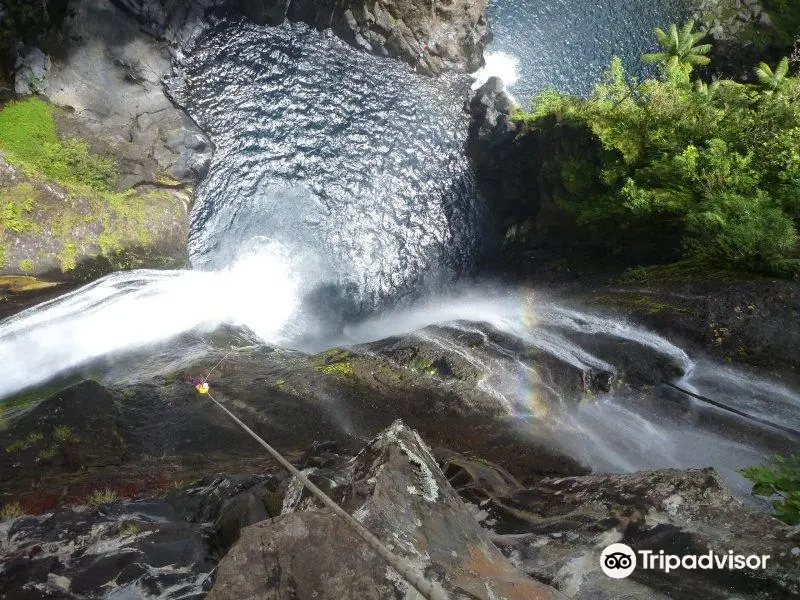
<point x="567" y="44"/>
<point x="338" y="187"/>
<point x="353" y="163"/>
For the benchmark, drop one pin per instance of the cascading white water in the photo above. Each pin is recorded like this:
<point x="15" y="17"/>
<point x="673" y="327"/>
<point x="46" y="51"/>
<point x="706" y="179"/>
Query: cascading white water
<point x="133" y="309"/>
<point x="498" y="64"/>
<point x="354" y="170"/>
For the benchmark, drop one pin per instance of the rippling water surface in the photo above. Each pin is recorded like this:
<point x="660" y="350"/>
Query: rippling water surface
<point x="354" y="164"/>
<point x="567" y="44"/>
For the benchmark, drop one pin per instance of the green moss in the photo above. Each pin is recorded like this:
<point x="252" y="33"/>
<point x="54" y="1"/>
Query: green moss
<point x="423" y="365"/>
<point x="69" y="252"/>
<point x="280" y="383"/>
<point x="388" y="373"/>
<point x="677" y="271"/>
<point x="113" y="220"/>
<point x="26" y="265"/>
<point x="17" y="203"/>
<point x="642" y="303"/>
<point x="28" y="137"/>
<point x="343" y="369"/>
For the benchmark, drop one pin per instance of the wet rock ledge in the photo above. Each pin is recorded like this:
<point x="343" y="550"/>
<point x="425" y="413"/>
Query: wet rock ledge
<point x="466" y="524"/>
<point x="142" y="488"/>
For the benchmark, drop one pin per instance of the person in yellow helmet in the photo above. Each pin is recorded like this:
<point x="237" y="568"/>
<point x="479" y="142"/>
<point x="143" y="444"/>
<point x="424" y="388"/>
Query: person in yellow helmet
<point x="201" y="385"/>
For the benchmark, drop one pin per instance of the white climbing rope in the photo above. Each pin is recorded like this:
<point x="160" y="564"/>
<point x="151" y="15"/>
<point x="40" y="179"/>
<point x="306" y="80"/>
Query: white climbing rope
<point x="430" y="590"/>
<point x="221" y="360"/>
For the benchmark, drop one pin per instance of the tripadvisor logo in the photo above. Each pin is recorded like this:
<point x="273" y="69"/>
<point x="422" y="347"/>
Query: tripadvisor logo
<point x="619" y="561"/>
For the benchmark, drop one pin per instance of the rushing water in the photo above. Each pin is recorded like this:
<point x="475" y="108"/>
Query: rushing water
<point x="338" y="186"/>
<point x="567" y="44"/>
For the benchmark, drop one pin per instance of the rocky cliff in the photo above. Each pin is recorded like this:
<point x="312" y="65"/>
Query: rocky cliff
<point x="432" y="36"/>
<point x="105" y="69"/>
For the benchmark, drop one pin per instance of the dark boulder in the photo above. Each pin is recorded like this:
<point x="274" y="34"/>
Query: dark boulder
<point x="556" y="530"/>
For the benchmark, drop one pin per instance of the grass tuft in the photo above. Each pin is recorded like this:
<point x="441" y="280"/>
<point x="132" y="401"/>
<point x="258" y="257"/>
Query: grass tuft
<point x="12" y="510"/>
<point x="98" y="498"/>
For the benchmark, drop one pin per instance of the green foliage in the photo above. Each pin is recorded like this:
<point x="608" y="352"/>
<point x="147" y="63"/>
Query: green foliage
<point x="28" y="137"/>
<point x="780" y="481"/>
<point x="343" y="369"/>
<point x="64" y="434"/>
<point x="129" y="529"/>
<point x="777" y="82"/>
<point x="680" y="49"/>
<point x="714" y="165"/>
<point x="15" y="205"/>
<point x="98" y="498"/>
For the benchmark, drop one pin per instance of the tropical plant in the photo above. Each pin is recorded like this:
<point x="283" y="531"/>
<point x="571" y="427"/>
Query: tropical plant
<point x="781" y="482"/>
<point x="673" y="171"/>
<point x="680" y="48"/>
<point x="774" y="82"/>
<point x="709" y="90"/>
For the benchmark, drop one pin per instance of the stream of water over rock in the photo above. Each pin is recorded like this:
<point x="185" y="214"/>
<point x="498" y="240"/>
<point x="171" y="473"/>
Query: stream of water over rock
<point x="339" y="187"/>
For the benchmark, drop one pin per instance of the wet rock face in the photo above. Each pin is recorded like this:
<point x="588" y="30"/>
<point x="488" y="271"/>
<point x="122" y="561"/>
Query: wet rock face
<point x="142" y="548"/>
<point x="25" y="22"/>
<point x="111" y="74"/>
<point x="431" y="36"/>
<point x="556" y="530"/>
<point x="151" y="548"/>
<point x="395" y="488"/>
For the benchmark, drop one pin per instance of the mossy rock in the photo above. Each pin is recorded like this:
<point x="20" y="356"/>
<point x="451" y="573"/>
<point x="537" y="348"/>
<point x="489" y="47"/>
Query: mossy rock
<point x="62" y="213"/>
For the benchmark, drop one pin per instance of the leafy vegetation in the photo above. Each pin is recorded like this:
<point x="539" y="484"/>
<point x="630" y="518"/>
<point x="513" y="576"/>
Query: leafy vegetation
<point x="63" y="434"/>
<point x="780" y="481"/>
<point x="129" y="529"/>
<point x="98" y="498"/>
<point x="709" y="169"/>
<point x="680" y="47"/>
